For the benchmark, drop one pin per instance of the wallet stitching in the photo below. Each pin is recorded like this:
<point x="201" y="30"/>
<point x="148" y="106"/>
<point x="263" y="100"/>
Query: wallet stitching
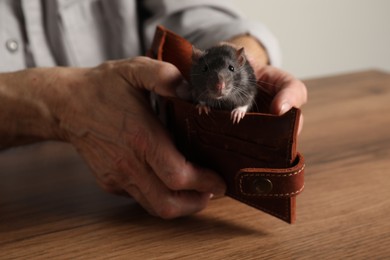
<point x="270" y="175"/>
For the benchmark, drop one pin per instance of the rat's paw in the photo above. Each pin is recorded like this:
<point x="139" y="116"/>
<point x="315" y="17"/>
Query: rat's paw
<point x="238" y="113"/>
<point x="203" y="107"/>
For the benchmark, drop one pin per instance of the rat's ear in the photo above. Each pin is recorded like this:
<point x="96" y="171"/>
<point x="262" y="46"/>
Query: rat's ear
<point x="241" y="59"/>
<point x="197" y="53"/>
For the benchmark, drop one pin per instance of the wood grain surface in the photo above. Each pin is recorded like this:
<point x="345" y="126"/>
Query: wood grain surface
<point x="51" y="207"/>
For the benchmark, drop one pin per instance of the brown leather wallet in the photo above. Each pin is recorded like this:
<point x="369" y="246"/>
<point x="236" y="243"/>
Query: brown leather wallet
<point x="257" y="157"/>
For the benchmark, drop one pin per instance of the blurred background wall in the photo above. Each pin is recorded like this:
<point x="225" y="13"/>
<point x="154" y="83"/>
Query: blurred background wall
<point x="325" y="37"/>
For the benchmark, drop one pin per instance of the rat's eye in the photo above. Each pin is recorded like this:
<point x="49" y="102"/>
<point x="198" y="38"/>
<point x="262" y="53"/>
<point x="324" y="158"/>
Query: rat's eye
<point x="231" y="68"/>
<point x="205" y="68"/>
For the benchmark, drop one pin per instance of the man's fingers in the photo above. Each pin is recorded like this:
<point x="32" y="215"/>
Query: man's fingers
<point x="156" y="76"/>
<point x="179" y="174"/>
<point x="156" y="198"/>
<point x="291" y="94"/>
<point x="169" y="186"/>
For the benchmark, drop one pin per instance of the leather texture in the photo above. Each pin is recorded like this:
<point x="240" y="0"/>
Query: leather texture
<point x="257" y="157"/>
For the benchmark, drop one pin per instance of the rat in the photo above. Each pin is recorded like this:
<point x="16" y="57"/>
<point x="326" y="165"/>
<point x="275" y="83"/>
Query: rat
<point x="221" y="77"/>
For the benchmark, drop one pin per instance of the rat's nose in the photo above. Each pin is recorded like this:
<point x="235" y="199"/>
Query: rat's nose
<point x="220" y="86"/>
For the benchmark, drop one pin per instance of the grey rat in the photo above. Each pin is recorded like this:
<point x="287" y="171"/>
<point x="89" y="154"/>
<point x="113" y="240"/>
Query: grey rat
<point x="221" y="77"/>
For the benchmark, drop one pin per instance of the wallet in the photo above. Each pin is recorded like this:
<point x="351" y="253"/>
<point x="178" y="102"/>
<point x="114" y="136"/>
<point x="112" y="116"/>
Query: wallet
<point x="257" y="157"/>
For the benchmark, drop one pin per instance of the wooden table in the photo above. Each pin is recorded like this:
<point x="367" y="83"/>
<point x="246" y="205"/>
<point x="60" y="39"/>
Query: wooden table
<point x="50" y="206"/>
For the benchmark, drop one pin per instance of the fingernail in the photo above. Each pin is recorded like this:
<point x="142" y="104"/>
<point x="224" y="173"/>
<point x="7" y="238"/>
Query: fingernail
<point x="211" y="195"/>
<point x="284" y="108"/>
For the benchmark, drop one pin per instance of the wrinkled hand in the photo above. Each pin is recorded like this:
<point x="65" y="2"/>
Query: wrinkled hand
<point x="110" y="122"/>
<point x="288" y="91"/>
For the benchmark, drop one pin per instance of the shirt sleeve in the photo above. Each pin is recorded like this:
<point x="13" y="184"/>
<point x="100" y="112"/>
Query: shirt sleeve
<point x="205" y="23"/>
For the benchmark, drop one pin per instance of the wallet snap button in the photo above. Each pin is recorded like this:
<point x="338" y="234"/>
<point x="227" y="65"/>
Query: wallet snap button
<point x="262" y="185"/>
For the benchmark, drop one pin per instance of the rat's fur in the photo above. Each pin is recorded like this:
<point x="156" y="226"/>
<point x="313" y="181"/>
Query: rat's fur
<point x="215" y="84"/>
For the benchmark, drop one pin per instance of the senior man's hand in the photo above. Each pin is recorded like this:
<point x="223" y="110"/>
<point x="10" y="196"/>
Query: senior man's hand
<point x="105" y="114"/>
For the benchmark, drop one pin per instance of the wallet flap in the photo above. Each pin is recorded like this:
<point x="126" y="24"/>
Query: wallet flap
<point x="170" y="47"/>
<point x="271" y="182"/>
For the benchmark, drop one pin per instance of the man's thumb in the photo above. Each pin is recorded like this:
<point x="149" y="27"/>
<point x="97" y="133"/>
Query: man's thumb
<point x="156" y="76"/>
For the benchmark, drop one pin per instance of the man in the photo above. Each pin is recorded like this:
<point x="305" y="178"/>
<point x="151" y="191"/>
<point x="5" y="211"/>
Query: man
<point x="53" y="88"/>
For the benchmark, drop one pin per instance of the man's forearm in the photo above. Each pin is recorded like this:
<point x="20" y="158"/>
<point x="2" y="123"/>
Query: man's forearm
<point x="25" y="116"/>
<point x="256" y="53"/>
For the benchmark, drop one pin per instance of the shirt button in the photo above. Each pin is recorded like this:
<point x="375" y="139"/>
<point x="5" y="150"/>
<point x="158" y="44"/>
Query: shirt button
<point x="12" y="45"/>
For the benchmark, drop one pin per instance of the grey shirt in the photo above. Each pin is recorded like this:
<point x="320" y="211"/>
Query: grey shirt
<point x="41" y="33"/>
